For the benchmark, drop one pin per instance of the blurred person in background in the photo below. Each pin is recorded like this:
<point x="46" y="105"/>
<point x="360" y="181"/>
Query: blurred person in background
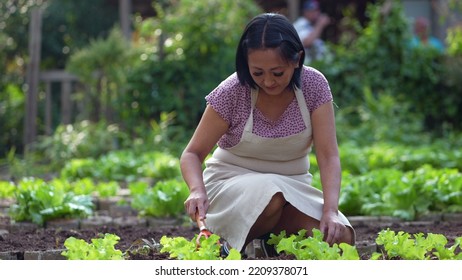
<point x="422" y="36"/>
<point x="310" y="27"/>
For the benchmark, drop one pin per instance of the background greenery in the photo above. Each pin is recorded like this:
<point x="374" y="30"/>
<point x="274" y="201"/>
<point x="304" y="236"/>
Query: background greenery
<point x="398" y="108"/>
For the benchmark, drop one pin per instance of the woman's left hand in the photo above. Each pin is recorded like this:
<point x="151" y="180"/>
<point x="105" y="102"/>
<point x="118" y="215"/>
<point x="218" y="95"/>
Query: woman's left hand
<point x="332" y="228"/>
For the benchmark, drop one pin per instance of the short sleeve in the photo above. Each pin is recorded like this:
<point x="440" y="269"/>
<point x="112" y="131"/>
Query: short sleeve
<point x="226" y="98"/>
<point x="315" y="88"/>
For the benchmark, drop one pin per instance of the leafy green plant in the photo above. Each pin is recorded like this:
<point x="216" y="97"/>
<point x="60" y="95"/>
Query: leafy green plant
<point x="163" y="167"/>
<point x="7" y="189"/>
<point x="312" y="247"/>
<point x="81" y="140"/>
<point x="101" y="248"/>
<point x="78" y="168"/>
<point x="124" y="165"/>
<point x="183" y="249"/>
<point x="26" y="165"/>
<point x="359" y="159"/>
<point x="165" y="199"/>
<point x="107" y="189"/>
<point x="84" y="186"/>
<point x="163" y="135"/>
<point x="407" y="195"/>
<point x="403" y="245"/>
<point x="380" y="116"/>
<point x="38" y="201"/>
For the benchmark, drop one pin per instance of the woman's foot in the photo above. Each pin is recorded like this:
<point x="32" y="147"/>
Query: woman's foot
<point x="267" y="250"/>
<point x="224" y="249"/>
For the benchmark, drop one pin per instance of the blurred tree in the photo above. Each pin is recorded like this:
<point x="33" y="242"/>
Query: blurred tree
<point x="186" y="51"/>
<point x="14" y="24"/>
<point x="381" y="59"/>
<point x="67" y="26"/>
<point x="101" y="66"/>
<point x="70" y="25"/>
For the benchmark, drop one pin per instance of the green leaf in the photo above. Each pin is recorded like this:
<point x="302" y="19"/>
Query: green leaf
<point x="182" y="249"/>
<point x="102" y="248"/>
<point x="312" y="247"/>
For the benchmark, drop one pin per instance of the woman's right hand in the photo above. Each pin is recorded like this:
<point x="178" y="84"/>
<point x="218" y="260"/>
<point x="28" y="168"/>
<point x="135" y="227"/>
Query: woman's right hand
<point x="197" y="201"/>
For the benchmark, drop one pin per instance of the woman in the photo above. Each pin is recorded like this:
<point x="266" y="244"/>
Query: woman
<point x="265" y="119"/>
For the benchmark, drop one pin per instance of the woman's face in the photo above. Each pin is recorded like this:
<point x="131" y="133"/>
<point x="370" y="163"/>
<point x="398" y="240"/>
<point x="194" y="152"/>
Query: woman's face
<point x="270" y="71"/>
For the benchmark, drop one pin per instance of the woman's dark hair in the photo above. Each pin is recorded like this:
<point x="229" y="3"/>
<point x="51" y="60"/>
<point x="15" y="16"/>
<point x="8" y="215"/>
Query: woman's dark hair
<point x="269" y="31"/>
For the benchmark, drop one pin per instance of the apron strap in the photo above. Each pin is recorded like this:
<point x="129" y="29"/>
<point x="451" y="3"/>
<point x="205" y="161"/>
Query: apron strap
<point x="301" y="104"/>
<point x="303" y="107"/>
<point x="253" y="101"/>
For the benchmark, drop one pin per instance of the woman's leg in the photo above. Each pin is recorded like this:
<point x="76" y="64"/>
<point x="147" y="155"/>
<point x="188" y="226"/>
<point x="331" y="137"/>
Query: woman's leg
<point x="268" y="219"/>
<point x="292" y="220"/>
<point x="280" y="215"/>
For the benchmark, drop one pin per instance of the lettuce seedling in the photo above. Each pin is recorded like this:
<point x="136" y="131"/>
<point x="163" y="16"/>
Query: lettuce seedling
<point x="402" y="245"/>
<point x="102" y="248"/>
<point x="312" y="247"/>
<point x="182" y="249"/>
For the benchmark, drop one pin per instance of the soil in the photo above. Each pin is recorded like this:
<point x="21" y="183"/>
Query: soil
<point x="131" y="237"/>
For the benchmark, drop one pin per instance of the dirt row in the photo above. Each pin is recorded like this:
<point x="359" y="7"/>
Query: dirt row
<point x="27" y="241"/>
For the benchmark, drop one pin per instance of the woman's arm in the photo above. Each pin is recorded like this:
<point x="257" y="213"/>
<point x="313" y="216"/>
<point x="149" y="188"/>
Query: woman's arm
<point x="211" y="127"/>
<point x="327" y="156"/>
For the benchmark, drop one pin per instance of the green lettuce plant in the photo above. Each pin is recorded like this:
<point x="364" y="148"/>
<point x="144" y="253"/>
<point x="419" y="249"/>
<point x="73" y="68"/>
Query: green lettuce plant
<point x="101" y="248"/>
<point x="164" y="199"/>
<point x="182" y="249"/>
<point x="39" y="201"/>
<point x="7" y="189"/>
<point x="123" y="165"/>
<point x="403" y="245"/>
<point x="312" y="247"/>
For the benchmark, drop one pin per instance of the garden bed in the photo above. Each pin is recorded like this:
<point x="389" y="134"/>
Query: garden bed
<point x="26" y="241"/>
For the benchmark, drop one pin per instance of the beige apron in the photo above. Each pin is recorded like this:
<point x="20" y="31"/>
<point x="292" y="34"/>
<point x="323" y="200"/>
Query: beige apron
<point x="240" y="181"/>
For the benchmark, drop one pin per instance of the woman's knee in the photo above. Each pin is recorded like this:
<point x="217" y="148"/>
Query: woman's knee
<point x="275" y="205"/>
<point x="292" y="220"/>
<point x="268" y="218"/>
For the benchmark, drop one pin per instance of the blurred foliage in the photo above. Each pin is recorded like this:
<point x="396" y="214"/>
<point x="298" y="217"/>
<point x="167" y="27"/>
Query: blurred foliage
<point x="84" y="139"/>
<point x="184" y="58"/>
<point x="14" y="24"/>
<point x="79" y="140"/>
<point x="404" y="194"/>
<point x="152" y="90"/>
<point x="380" y="117"/>
<point x="381" y="59"/>
<point x="11" y="124"/>
<point x="14" y="30"/>
<point x="80" y="144"/>
<point x="69" y="25"/>
<point x="164" y="199"/>
<point x="101" y="66"/>
<point x="372" y="59"/>
<point x="454" y="41"/>
<point x="453" y="66"/>
<point x="66" y="26"/>
<point x="123" y="165"/>
<point x="164" y="134"/>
